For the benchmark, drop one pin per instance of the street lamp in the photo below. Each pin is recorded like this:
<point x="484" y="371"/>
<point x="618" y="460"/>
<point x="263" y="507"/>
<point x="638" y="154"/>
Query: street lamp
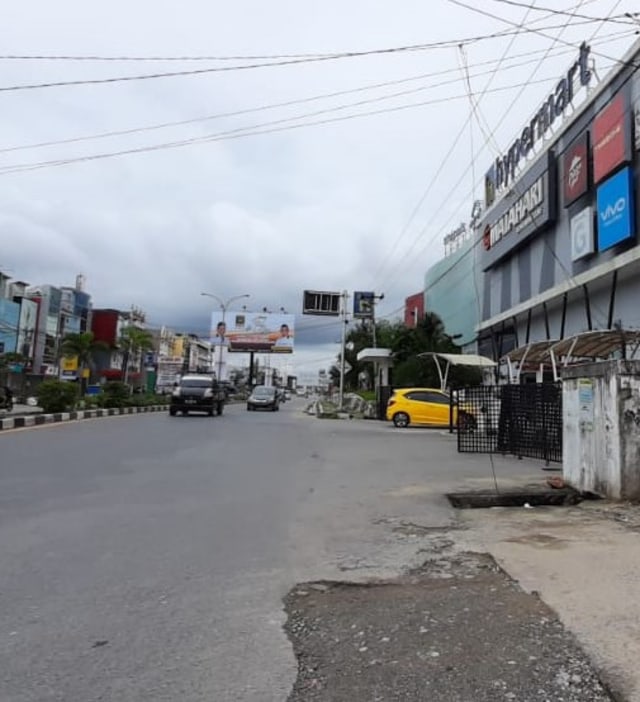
<point x="224" y="306"/>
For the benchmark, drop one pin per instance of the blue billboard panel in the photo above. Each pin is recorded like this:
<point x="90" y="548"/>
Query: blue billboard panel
<point x="615" y="210"/>
<point x="363" y="304"/>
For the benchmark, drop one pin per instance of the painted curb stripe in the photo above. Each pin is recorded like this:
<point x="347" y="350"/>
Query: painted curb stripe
<point x="36" y="420"/>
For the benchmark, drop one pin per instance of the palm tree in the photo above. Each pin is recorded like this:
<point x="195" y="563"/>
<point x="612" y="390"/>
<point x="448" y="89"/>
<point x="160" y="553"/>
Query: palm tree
<point x="134" y="342"/>
<point x="81" y="346"/>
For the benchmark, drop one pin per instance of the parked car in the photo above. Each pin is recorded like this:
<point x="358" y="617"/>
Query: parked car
<point x="197" y="393"/>
<point x="426" y="406"/>
<point x="263" y="397"/>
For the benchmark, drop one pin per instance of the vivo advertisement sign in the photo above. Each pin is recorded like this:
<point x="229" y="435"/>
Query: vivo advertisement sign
<point x="615" y="210"/>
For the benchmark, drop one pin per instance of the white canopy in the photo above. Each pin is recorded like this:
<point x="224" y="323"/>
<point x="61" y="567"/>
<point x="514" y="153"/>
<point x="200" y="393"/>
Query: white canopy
<point x="471" y="360"/>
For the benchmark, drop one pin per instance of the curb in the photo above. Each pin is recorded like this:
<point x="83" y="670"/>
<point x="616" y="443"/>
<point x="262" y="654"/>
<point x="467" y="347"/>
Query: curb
<point x="37" y="420"/>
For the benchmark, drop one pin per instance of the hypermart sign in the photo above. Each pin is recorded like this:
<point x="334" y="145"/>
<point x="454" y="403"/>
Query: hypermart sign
<point x="616" y="210"/>
<point x="523" y="212"/>
<point x="505" y="168"/>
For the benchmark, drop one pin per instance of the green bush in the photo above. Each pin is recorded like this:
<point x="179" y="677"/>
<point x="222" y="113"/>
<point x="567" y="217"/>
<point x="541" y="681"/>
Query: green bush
<point x="114" y="394"/>
<point x="57" y="395"/>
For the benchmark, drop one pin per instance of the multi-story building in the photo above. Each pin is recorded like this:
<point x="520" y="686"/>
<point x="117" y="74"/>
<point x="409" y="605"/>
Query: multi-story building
<point x="414" y="309"/>
<point x="114" y="363"/>
<point x="558" y="246"/>
<point x="60" y="311"/>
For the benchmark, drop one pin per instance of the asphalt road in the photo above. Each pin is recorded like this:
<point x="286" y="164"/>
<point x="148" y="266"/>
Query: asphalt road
<point x="147" y="557"/>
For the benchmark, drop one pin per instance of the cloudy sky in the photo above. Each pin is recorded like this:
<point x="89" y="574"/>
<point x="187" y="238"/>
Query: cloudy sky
<point x="278" y="160"/>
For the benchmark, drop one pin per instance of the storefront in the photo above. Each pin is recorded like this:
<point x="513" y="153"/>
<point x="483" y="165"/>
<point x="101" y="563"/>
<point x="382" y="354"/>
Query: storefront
<point x="557" y="248"/>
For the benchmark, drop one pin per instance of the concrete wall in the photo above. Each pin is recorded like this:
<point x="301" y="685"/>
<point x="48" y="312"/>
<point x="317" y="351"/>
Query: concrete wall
<point x="601" y="433"/>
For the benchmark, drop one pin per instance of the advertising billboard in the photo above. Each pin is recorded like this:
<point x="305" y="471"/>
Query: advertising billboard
<point x="610" y="138"/>
<point x="363" y="305"/>
<point x="526" y="210"/>
<point x="575" y="169"/>
<point x="615" y="210"/>
<point x="265" y="332"/>
<point x="582" y="243"/>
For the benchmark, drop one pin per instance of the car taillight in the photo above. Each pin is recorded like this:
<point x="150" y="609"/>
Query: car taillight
<point x="391" y="402"/>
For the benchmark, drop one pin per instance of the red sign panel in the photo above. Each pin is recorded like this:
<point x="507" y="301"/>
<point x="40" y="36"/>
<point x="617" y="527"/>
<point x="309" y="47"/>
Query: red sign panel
<point x="610" y="138"/>
<point x="575" y="169"/>
<point x="414" y="309"/>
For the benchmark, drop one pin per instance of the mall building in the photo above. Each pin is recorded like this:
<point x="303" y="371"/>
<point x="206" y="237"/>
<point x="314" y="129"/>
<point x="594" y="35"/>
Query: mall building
<point x="556" y="251"/>
<point x="553" y="250"/>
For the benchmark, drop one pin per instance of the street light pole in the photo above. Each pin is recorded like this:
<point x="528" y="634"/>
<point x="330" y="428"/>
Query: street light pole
<point x="343" y="338"/>
<point x="224" y="306"/>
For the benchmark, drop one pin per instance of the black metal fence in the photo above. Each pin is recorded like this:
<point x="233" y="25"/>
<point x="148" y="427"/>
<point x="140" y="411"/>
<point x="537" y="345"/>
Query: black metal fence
<point x="524" y="420"/>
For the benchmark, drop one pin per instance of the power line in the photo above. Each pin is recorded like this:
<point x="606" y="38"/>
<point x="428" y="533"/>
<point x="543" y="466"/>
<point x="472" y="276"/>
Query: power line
<point x="486" y="143"/>
<point x="444" y="161"/>
<point x="255" y="130"/>
<point x="289" y="103"/>
<point x="267" y="64"/>
<point x="540" y="31"/>
<point x="566" y="13"/>
<point x="185" y="58"/>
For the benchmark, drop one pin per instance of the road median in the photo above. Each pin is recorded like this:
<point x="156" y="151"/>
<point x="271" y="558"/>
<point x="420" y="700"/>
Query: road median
<point x="36" y="420"/>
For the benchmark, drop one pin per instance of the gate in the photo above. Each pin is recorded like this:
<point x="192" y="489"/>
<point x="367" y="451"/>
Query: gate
<point x="525" y="420"/>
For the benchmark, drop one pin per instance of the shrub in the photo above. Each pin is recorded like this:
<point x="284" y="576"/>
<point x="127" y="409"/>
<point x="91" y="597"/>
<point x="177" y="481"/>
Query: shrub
<point x="57" y="395"/>
<point x="115" y="394"/>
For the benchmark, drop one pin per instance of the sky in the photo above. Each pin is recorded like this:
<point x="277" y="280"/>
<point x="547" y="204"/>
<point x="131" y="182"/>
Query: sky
<point x="320" y="170"/>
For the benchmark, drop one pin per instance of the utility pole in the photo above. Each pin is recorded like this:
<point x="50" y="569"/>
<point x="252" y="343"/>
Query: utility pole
<point x="343" y="344"/>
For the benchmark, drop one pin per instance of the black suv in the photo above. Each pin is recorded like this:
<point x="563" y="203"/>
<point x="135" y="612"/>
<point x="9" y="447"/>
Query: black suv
<point x="197" y="393"/>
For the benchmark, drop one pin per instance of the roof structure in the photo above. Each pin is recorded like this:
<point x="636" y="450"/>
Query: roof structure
<point x="471" y="360"/>
<point x="596" y="345"/>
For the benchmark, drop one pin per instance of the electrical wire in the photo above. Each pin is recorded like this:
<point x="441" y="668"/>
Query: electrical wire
<point x="541" y="32"/>
<point x="266" y="64"/>
<point x="566" y="13"/>
<point x="290" y="103"/>
<point x="496" y="127"/>
<point x="443" y="162"/>
<point x="254" y="130"/>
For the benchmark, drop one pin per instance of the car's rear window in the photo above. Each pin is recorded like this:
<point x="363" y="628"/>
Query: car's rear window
<point x="195" y="383"/>
<point x="263" y="391"/>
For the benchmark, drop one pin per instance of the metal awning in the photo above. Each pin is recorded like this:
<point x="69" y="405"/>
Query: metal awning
<point x="535" y="354"/>
<point x="471" y="360"/>
<point x="594" y="345"/>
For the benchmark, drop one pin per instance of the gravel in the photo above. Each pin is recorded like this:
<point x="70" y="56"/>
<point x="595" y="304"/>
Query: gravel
<point x="458" y="629"/>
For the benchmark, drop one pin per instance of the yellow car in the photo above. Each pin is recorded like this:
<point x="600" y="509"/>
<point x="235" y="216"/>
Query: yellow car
<point x="426" y="406"/>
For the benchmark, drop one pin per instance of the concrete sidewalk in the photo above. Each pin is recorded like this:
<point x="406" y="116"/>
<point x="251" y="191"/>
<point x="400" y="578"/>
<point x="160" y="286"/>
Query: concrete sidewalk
<point x="582" y="560"/>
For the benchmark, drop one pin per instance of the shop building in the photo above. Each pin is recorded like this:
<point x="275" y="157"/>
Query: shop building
<point x="556" y="249"/>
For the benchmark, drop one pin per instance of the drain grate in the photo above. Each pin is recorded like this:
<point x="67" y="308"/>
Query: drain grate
<point x="480" y="500"/>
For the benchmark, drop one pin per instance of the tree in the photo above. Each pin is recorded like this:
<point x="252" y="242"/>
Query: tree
<point x="406" y="343"/>
<point x="134" y="342"/>
<point x="82" y="346"/>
